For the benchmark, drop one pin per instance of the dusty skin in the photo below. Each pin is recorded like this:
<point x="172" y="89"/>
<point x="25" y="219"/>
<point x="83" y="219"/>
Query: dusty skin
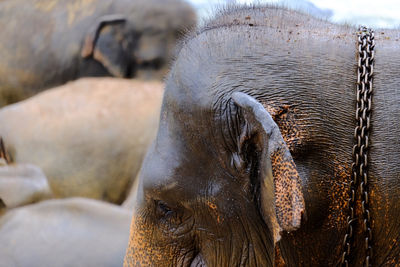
<point x="89" y="136"/>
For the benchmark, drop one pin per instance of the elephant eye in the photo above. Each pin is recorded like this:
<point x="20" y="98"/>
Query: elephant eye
<point x="168" y="217"/>
<point x="163" y="210"/>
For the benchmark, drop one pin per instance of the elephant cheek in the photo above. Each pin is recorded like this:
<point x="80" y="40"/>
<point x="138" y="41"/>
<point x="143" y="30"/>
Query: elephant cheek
<point x="142" y="250"/>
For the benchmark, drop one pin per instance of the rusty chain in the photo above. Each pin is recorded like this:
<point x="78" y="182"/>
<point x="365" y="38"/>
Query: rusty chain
<point x="359" y="167"/>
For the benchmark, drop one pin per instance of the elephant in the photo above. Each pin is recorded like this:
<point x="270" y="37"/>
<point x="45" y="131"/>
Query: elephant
<point x="88" y="136"/>
<point x="252" y="161"/>
<point x="64" y="232"/>
<point x="22" y="184"/>
<point x="62" y="40"/>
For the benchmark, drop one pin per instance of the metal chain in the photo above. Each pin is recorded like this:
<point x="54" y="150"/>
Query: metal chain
<point x="359" y="167"/>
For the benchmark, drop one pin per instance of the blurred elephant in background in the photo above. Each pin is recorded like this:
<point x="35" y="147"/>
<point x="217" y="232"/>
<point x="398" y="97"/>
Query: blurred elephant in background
<point x="22" y="184"/>
<point x="50" y="42"/>
<point x="89" y="136"/>
<point x="64" y="232"/>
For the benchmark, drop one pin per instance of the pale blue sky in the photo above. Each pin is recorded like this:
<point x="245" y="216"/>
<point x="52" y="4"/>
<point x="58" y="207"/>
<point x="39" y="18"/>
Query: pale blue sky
<point x="373" y="13"/>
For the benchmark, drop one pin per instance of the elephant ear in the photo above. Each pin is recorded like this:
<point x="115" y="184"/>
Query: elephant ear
<point x="104" y="43"/>
<point x="281" y="200"/>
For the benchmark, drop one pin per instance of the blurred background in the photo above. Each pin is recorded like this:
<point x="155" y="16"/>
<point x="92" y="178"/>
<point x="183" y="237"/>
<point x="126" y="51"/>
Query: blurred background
<point x="376" y="14"/>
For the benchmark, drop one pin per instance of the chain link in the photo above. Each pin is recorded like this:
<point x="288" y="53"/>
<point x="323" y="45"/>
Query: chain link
<point x="359" y="167"/>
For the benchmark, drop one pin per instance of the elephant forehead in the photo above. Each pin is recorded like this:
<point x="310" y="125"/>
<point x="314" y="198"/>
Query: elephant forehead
<point x="185" y="166"/>
<point x="185" y="175"/>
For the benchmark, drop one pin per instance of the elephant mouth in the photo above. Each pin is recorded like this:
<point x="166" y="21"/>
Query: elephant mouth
<point x="198" y="261"/>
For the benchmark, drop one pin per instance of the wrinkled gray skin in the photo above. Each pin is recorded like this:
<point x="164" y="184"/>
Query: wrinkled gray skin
<point x="50" y="42"/>
<point x="69" y="232"/>
<point x="89" y="136"/>
<point x="202" y="199"/>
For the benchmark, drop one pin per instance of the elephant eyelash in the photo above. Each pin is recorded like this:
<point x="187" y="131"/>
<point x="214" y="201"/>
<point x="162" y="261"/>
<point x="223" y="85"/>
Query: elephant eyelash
<point x="167" y="216"/>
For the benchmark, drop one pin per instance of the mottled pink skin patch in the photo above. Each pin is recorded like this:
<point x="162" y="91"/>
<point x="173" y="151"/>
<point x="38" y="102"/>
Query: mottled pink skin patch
<point x="289" y="202"/>
<point x="286" y="118"/>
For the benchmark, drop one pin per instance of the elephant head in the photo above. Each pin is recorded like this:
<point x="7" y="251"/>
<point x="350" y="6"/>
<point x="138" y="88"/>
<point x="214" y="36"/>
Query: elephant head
<point x="217" y="187"/>
<point x="141" y="40"/>
<point x="253" y="150"/>
<point x="109" y="43"/>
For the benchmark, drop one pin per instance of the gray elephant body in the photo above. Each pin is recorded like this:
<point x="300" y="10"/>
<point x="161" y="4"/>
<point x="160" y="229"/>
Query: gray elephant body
<point x="50" y="42"/>
<point x="66" y="232"/>
<point x="22" y="184"/>
<point x="88" y="136"/>
<point x="206" y="196"/>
